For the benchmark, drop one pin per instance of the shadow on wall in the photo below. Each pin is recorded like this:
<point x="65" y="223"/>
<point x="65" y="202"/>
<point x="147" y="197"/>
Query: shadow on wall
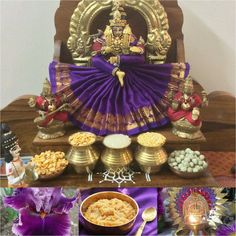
<point x="212" y="60"/>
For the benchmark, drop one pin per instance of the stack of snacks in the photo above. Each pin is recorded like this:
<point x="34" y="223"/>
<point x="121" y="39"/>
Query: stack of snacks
<point x="151" y="139"/>
<point x="187" y="161"/>
<point x="82" y="139"/>
<point x="49" y="164"/>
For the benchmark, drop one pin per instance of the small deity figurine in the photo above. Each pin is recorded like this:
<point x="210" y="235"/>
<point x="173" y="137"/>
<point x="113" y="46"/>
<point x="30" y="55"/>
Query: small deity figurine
<point x="184" y="111"/>
<point x="18" y="174"/>
<point x="52" y="113"/>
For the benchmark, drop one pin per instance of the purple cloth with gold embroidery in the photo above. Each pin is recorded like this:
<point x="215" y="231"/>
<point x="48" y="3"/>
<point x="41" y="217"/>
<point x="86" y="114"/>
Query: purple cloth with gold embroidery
<point x="100" y="105"/>
<point x="145" y="197"/>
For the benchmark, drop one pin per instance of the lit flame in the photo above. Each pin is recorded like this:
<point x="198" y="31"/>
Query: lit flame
<point x="193" y="219"/>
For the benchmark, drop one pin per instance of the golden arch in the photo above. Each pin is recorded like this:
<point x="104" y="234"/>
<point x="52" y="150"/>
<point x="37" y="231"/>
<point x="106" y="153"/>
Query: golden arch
<point x="158" y="39"/>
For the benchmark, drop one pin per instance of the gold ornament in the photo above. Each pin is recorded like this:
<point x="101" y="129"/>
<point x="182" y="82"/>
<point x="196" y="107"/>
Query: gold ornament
<point x="118" y="13"/>
<point x="196" y="213"/>
<point x="80" y="40"/>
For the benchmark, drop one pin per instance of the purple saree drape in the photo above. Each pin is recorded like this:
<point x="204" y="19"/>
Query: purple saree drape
<point x="100" y="105"/>
<point x="145" y="197"/>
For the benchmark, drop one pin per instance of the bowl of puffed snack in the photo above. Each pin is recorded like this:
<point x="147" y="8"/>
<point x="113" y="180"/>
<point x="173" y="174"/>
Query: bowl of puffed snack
<point x="150" y="154"/>
<point x="188" y="163"/>
<point x="82" y="154"/>
<point x="49" y="164"/>
<point x="109" y="213"/>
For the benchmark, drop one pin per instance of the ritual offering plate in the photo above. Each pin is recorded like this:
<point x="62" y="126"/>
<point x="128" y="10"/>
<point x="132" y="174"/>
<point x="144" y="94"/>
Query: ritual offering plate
<point x="150" y="154"/>
<point x="188" y="163"/>
<point x="82" y="155"/>
<point x="109" y="213"/>
<point x="49" y="164"/>
<point x="117" y="154"/>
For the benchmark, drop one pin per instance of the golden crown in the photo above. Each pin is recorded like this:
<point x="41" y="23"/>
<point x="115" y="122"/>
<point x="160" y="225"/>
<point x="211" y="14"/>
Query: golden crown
<point x="118" y="14"/>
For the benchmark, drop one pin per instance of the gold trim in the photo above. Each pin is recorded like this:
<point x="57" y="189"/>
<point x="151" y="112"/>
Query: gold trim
<point x="158" y="39"/>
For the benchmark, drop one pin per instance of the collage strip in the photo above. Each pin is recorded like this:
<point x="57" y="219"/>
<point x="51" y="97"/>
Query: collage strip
<point x="117" y="211"/>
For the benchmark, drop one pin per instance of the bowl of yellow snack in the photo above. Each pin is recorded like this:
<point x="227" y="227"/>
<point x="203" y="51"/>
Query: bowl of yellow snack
<point x="151" y="155"/>
<point x="49" y="164"/>
<point x="82" y="155"/>
<point x="109" y="213"/>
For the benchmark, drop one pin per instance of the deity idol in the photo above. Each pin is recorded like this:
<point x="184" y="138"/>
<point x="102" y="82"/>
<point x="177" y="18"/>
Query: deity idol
<point x="184" y="111"/>
<point x="18" y="174"/>
<point x="52" y="113"/>
<point x="120" y="93"/>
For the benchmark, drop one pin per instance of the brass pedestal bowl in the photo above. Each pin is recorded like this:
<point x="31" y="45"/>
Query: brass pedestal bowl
<point x="183" y="129"/>
<point x="151" y="157"/>
<point x="98" y="229"/>
<point x="83" y="157"/>
<point x="52" y="131"/>
<point x="116" y="156"/>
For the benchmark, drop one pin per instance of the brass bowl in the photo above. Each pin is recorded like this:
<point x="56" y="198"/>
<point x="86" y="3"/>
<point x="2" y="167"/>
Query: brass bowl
<point x="148" y="158"/>
<point x="47" y="177"/>
<point x="116" y="158"/>
<point x="108" y="230"/>
<point x="189" y="175"/>
<point x="83" y="158"/>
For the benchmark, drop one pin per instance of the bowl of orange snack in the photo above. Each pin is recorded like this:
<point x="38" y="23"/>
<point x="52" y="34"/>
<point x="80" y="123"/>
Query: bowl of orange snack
<point x="109" y="213"/>
<point x="49" y="164"/>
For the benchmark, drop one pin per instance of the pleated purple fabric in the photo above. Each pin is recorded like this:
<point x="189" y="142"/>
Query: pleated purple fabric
<point x="100" y="105"/>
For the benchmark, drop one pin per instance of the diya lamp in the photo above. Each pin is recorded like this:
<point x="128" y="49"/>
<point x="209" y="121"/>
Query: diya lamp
<point x="82" y="155"/>
<point x="184" y="111"/>
<point x="117" y="153"/>
<point x="150" y="154"/>
<point x="196" y="211"/>
<point x="53" y="113"/>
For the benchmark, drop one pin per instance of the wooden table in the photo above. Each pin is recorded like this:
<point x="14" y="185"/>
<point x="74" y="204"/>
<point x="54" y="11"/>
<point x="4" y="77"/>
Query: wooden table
<point x="164" y="178"/>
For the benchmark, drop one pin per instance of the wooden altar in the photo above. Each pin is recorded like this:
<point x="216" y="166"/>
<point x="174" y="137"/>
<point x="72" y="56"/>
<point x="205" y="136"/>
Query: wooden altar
<point x="218" y="129"/>
<point x="218" y="119"/>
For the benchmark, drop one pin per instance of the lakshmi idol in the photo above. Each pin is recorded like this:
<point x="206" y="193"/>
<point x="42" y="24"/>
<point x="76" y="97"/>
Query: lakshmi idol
<point x="119" y="93"/>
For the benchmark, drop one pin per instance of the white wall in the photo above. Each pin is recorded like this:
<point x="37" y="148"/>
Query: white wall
<point x="27" y="30"/>
<point x="210" y="42"/>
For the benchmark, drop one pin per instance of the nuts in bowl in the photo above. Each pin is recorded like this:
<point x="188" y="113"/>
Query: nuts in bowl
<point x="187" y="163"/>
<point x="81" y="139"/>
<point x="49" y="164"/>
